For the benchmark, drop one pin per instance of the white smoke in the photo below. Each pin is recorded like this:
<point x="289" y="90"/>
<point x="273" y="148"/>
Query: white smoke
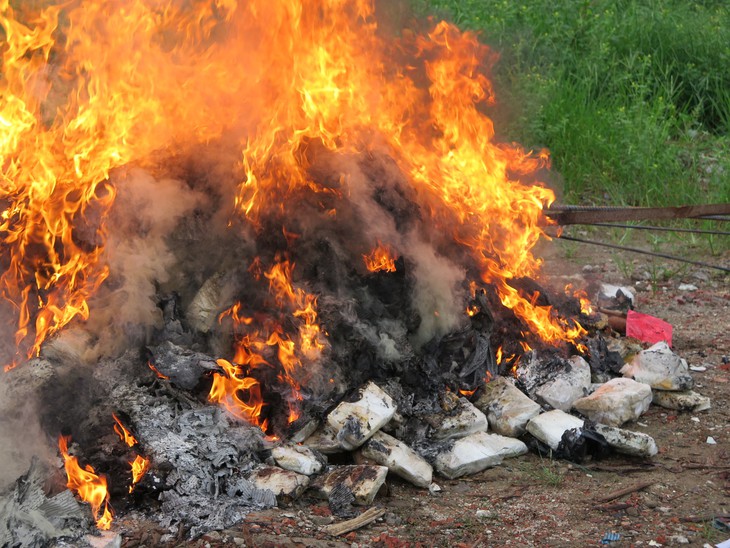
<point x="145" y="213"/>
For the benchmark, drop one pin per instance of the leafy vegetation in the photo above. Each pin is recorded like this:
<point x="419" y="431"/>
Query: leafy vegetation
<point x="632" y="97"/>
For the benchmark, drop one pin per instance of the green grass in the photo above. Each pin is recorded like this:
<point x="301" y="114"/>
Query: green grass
<point x="632" y="97"/>
<point x="546" y="472"/>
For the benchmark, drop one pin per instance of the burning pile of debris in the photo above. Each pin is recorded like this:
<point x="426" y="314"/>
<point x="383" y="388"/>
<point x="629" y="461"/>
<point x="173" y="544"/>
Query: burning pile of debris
<point x="276" y="251"/>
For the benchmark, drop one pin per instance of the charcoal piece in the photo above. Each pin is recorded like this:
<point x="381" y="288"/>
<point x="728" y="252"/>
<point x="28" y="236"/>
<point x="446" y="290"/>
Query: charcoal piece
<point x="173" y="329"/>
<point x="340" y="501"/>
<point x="605" y="363"/>
<point x="582" y="444"/>
<point x="182" y="366"/>
<point x="461" y="358"/>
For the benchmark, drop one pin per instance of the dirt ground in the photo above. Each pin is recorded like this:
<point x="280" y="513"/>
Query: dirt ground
<point x="531" y="501"/>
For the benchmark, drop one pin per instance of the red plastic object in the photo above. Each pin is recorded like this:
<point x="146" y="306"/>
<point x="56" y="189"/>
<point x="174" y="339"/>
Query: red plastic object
<point x="648" y="328"/>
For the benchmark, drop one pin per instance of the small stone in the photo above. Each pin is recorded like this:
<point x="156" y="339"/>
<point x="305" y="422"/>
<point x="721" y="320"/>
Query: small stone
<point x="549" y="427"/>
<point x="475" y="453"/>
<point x="682" y="401"/>
<point x="678" y="539"/>
<point x="322" y="520"/>
<point x="285" y="485"/>
<point x="695" y="419"/>
<point x="434" y="488"/>
<point x="393" y="519"/>
<point x="568" y="386"/>
<point x="363" y="481"/>
<point x="698" y="368"/>
<point x="399" y="458"/>
<point x="355" y="422"/>
<point x="616" y="402"/>
<point x="688" y="287"/>
<point x="660" y="368"/>
<point x="507" y="408"/>
<point x="298" y="458"/>
<point x="711" y="440"/>
<point x="463" y="420"/>
<point x="629" y="443"/>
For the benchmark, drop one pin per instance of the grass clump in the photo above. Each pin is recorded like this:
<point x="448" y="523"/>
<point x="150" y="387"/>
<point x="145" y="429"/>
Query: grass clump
<point x="632" y="97"/>
<point x="546" y="472"/>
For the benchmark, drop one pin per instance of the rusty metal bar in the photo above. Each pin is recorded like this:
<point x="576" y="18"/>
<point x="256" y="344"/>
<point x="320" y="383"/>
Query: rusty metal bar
<point x="575" y="215"/>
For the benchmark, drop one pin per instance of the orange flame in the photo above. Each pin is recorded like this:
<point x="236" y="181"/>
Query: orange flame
<point x="313" y="71"/>
<point x="380" y="259"/>
<point x="239" y="394"/>
<point x="159" y="375"/>
<point x="124" y="434"/>
<point x="586" y="307"/>
<point x="89" y="486"/>
<point x="140" y="465"/>
<point x="251" y="347"/>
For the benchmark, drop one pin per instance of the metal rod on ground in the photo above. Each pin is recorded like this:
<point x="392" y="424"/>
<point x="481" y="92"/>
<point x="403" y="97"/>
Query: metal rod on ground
<point x="644" y="252"/>
<point x="662" y="228"/>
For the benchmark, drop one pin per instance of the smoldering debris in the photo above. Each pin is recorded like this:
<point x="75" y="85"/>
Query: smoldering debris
<point x="28" y="517"/>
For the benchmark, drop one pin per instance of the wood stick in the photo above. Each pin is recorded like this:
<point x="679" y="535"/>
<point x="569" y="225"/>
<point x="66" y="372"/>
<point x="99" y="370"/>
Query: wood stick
<point x="625" y="491"/>
<point x="571" y="215"/>
<point x="368" y="516"/>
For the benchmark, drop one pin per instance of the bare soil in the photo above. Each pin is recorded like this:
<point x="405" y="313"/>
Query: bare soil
<point x="531" y="501"/>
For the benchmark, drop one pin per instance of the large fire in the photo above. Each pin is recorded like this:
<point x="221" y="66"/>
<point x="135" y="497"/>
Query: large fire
<point x="89" y="87"/>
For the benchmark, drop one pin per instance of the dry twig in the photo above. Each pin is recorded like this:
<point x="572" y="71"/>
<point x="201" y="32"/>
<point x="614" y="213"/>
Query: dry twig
<point x="368" y="516"/>
<point x="625" y="491"/>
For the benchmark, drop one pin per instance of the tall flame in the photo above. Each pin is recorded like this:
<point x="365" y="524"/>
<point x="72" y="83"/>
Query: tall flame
<point x="238" y="391"/>
<point x="121" y="79"/>
<point x="89" y="486"/>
